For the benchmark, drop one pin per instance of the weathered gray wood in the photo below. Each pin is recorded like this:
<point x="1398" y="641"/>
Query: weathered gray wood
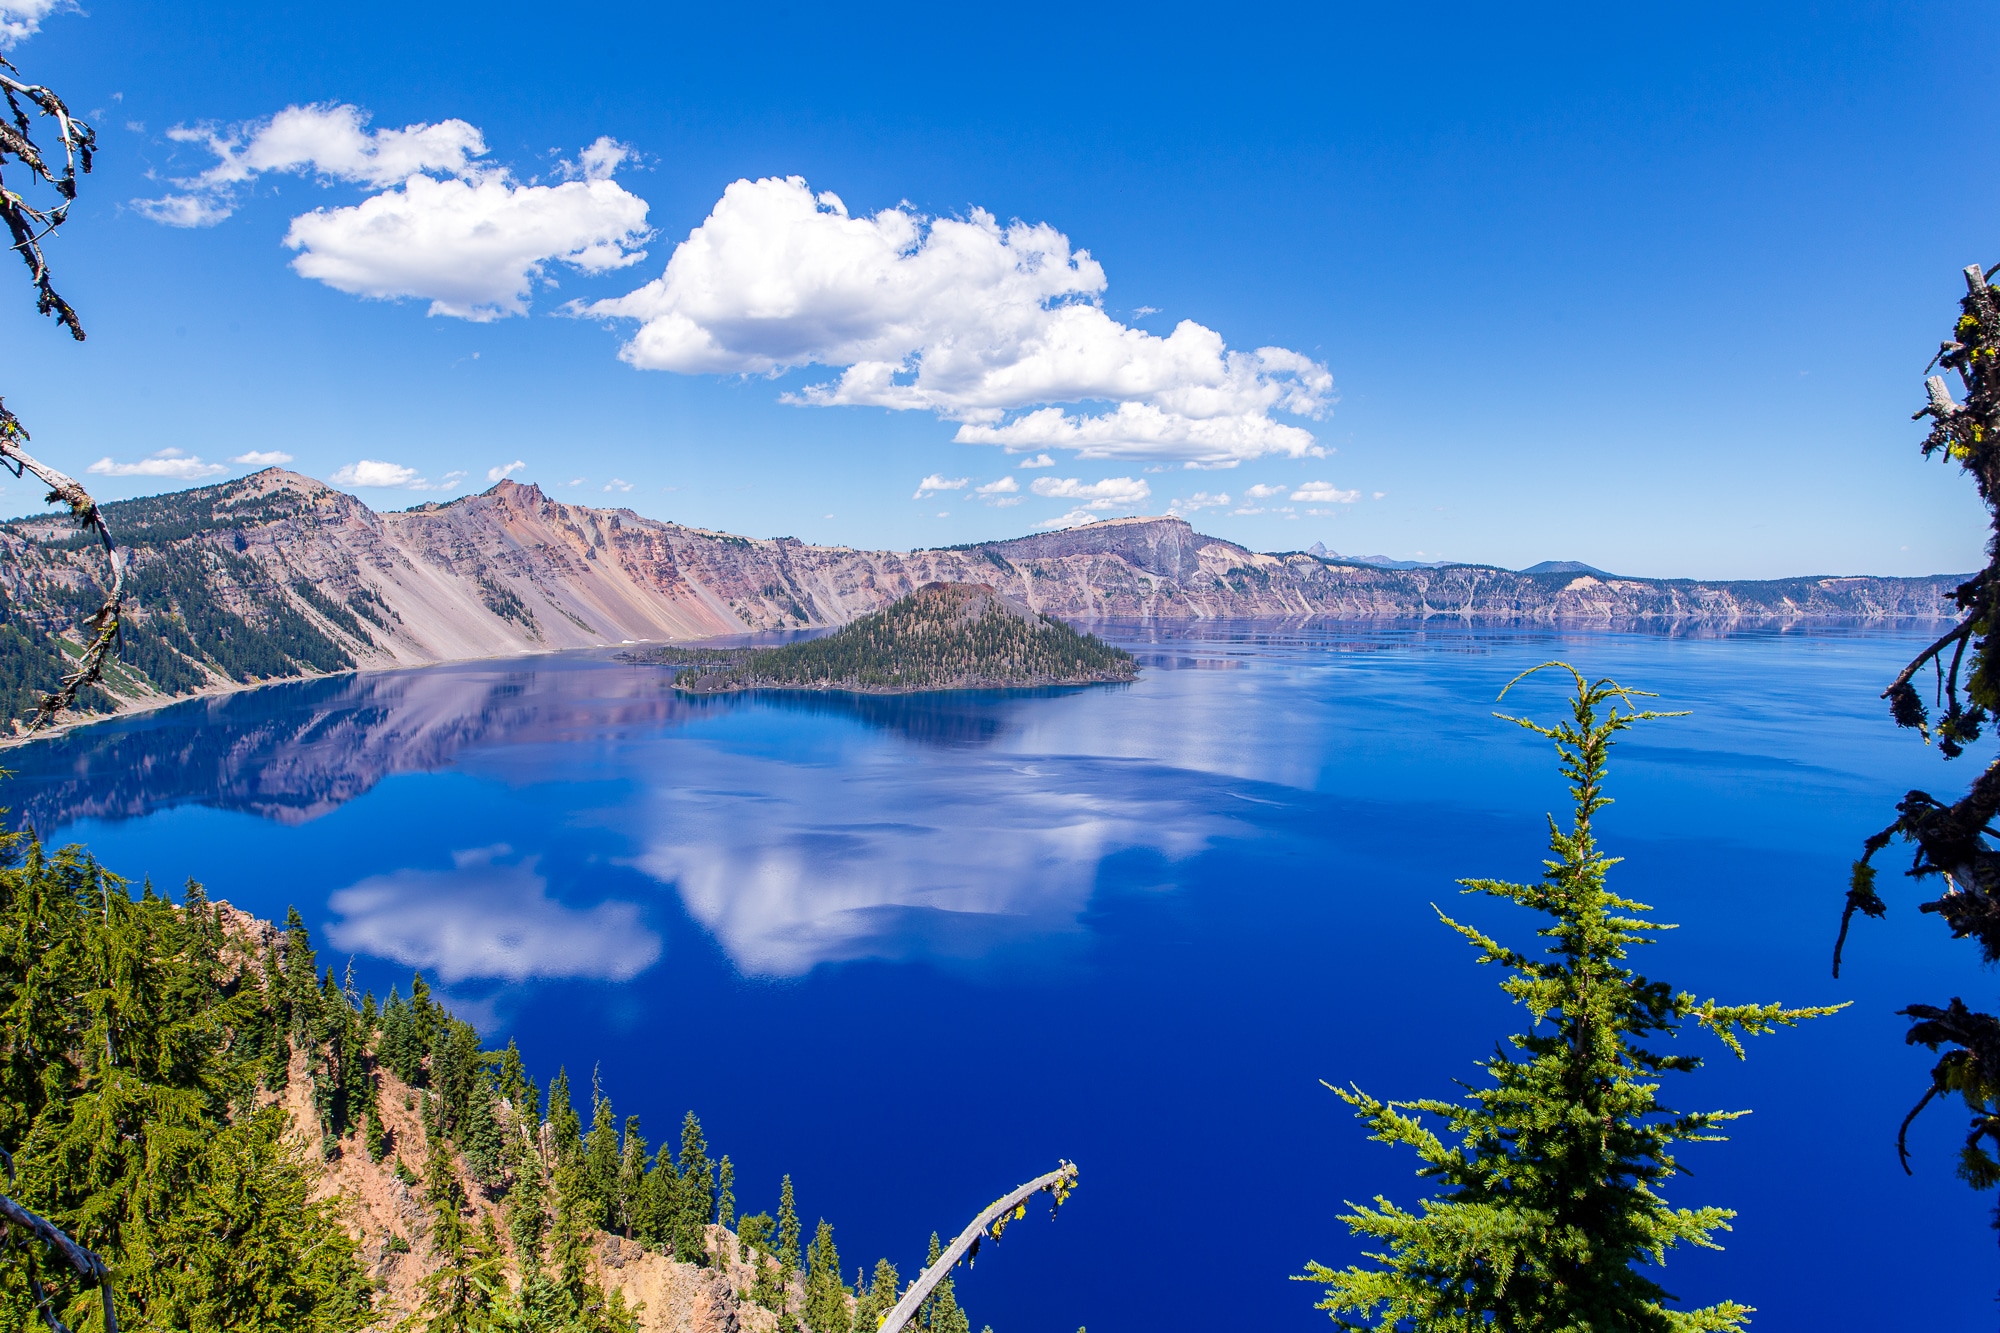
<point x="104" y="625"/>
<point x="1062" y="1179"/>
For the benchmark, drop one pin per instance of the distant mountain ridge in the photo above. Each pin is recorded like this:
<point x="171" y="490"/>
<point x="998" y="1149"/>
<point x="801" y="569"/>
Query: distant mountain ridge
<point x="278" y="575"/>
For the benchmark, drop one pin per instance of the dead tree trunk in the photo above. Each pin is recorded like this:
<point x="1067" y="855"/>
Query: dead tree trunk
<point x="1058" y="1182"/>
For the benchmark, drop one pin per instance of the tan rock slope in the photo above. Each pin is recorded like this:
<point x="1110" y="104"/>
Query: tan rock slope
<point x="392" y="1223"/>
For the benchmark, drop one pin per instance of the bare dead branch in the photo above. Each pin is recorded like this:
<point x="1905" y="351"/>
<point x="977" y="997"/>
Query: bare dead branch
<point x="29" y="225"/>
<point x="997" y="1214"/>
<point x="85" y="1263"/>
<point x="105" y="623"/>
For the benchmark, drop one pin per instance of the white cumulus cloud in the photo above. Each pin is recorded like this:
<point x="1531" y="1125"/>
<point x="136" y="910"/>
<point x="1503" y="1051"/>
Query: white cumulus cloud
<point x="965" y="317"/>
<point x="937" y="482"/>
<point x="618" y="484"/>
<point x="1039" y="460"/>
<point x="500" y="473"/>
<point x="1075" y="518"/>
<point x="1263" y="491"/>
<point x="169" y="463"/>
<point x="373" y="473"/>
<point x="446" y="227"/>
<point x="1198" y="501"/>
<point x="474" y="248"/>
<point x="263" y="458"/>
<point x="329" y="140"/>
<point x="1325" y="492"/>
<point x="1004" y="486"/>
<point x="1111" y="493"/>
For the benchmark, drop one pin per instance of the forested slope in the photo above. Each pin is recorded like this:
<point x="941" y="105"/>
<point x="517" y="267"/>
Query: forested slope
<point x="254" y="1146"/>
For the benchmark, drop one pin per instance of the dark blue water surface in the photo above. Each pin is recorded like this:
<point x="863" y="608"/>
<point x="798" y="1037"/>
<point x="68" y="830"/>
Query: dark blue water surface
<point x="914" y="950"/>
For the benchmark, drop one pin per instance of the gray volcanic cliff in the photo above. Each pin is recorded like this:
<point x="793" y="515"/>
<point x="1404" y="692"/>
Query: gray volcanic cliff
<point x="279" y="575"/>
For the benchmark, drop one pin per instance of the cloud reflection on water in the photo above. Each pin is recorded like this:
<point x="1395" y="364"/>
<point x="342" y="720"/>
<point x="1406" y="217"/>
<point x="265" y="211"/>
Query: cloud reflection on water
<point x="887" y="858"/>
<point x="488" y="919"/>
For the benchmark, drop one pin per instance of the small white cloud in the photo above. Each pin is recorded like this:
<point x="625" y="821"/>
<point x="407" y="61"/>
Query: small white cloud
<point x="937" y="482"/>
<point x="1325" y="492"/>
<point x="169" y="463"/>
<point x="1145" y="310"/>
<point x="263" y="458"/>
<point x="374" y="474"/>
<point x="1262" y="491"/>
<point x="1246" y="510"/>
<point x="1004" y="486"/>
<point x="1075" y="518"/>
<point x="450" y="481"/>
<point x="1380" y="495"/>
<point x="1039" y="460"/>
<point x="618" y="484"/>
<point x="501" y="473"/>
<point x="1111" y="493"/>
<point x="600" y="161"/>
<point x="483" y="918"/>
<point x="1198" y="501"/>
<point x="944" y="513"/>
<point x="574" y="481"/>
<point x="184" y="210"/>
<point x="21" y="19"/>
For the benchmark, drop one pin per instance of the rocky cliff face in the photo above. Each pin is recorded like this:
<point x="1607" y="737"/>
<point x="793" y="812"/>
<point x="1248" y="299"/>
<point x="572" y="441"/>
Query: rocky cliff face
<point x="277" y="574"/>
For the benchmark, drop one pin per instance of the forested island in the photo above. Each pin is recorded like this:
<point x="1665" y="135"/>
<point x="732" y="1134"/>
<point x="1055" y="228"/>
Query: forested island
<point x="943" y="636"/>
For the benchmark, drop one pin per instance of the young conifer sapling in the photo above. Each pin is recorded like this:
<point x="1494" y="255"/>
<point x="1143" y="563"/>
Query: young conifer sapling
<point x="1551" y="1214"/>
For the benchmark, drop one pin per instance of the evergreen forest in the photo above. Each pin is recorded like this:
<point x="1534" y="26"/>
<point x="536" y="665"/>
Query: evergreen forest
<point x="942" y="636"/>
<point x="178" y="1079"/>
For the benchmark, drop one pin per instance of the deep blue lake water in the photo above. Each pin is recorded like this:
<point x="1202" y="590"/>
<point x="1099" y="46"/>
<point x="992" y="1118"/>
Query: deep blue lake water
<point x="914" y="950"/>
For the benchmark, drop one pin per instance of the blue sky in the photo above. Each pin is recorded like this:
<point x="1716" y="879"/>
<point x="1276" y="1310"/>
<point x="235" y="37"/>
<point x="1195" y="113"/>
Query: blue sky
<point x="1653" y="291"/>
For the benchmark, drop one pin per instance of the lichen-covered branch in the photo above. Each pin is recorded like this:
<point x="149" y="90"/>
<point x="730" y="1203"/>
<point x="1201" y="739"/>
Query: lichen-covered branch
<point x="103" y="626"/>
<point x="23" y="1227"/>
<point x="1955" y="840"/>
<point x="996" y="1216"/>
<point x="28" y="226"/>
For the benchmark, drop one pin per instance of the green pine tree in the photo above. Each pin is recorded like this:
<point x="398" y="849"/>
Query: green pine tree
<point x="600" y="1151"/>
<point x="480" y="1135"/>
<point x="788" y="1253"/>
<point x="695" y="1203"/>
<point x="579" y="1214"/>
<point x="565" y="1128"/>
<point x="1550" y="1210"/>
<point x="725" y="1193"/>
<point x="631" y="1178"/>
<point x="374" y="1137"/>
<point x="456" y="1295"/>
<point x="510" y="1077"/>
<point x="658" y="1197"/>
<point x="879" y="1298"/>
<point x="826" y="1294"/>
